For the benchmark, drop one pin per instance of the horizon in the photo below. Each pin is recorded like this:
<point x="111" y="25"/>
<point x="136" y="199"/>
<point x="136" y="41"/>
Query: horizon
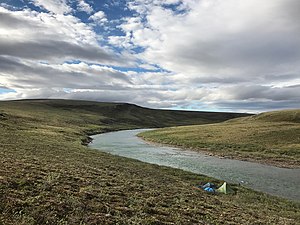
<point x="172" y="109"/>
<point x="208" y="55"/>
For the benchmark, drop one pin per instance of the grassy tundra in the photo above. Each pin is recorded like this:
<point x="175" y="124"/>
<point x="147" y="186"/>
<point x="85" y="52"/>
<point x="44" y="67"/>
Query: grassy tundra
<point x="272" y="138"/>
<point x="48" y="177"/>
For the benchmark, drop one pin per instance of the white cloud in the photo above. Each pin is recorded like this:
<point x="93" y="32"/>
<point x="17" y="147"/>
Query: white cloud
<point x="83" y="6"/>
<point x="132" y="24"/>
<point x="221" y="39"/>
<point x="222" y="44"/>
<point x="148" y="67"/>
<point x="98" y="17"/>
<point x="54" y="6"/>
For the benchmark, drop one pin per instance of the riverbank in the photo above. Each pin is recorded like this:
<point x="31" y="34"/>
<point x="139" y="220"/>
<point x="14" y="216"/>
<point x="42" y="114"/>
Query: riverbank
<point x="268" y="179"/>
<point x="270" y="138"/>
<point x="268" y="162"/>
<point x="48" y="177"/>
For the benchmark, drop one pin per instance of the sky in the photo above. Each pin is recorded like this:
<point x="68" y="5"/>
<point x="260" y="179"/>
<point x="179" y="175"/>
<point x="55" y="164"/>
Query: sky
<point x="207" y="55"/>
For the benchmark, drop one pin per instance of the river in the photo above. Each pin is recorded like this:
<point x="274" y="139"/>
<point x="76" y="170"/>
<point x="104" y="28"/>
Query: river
<point x="269" y="179"/>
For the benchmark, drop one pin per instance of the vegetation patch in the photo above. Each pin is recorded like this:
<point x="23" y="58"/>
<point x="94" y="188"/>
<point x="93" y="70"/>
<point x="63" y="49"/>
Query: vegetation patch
<point x="272" y="138"/>
<point x="48" y="177"/>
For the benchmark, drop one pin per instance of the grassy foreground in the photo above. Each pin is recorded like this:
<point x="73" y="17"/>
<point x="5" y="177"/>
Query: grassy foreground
<point x="272" y="138"/>
<point x="48" y="177"/>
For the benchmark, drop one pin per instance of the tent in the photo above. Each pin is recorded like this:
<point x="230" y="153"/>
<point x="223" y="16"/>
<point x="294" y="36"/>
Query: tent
<point x="225" y="189"/>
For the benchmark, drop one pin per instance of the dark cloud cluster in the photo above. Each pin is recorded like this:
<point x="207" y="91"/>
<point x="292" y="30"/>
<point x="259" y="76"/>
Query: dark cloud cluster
<point x="29" y="35"/>
<point x="56" y="49"/>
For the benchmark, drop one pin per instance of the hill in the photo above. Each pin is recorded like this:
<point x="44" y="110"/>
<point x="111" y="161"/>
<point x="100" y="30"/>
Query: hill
<point x="106" y="115"/>
<point x="272" y="138"/>
<point x="48" y="177"/>
<point x="292" y="116"/>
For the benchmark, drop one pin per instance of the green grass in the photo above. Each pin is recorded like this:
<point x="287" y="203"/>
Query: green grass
<point x="272" y="138"/>
<point x="48" y="177"/>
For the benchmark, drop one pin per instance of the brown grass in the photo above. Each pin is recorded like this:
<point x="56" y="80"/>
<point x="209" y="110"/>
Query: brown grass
<point x="272" y="138"/>
<point x="48" y="177"/>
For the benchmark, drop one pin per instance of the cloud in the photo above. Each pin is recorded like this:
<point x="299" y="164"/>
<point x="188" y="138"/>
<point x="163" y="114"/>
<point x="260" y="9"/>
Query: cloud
<point x="222" y="44"/>
<point x="54" y="6"/>
<point x="34" y="75"/>
<point x="223" y="38"/>
<point x="55" y="49"/>
<point x="239" y="92"/>
<point x="99" y="17"/>
<point x="83" y="6"/>
<point x="148" y="98"/>
<point x="47" y="37"/>
<point x="3" y="87"/>
<point x="254" y="106"/>
<point x="208" y="54"/>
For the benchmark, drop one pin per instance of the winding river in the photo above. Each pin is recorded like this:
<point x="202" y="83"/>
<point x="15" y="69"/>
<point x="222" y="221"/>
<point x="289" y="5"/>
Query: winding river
<point x="273" y="180"/>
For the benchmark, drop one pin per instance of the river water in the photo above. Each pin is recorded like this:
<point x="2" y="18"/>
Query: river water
<point x="273" y="180"/>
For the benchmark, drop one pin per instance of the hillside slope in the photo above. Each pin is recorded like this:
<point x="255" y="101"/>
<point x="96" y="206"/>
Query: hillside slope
<point x="292" y="116"/>
<point x="48" y="177"/>
<point x="272" y="138"/>
<point x="109" y="115"/>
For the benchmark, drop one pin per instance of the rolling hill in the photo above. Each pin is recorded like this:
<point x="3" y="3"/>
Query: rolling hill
<point x="96" y="117"/>
<point x="272" y="138"/>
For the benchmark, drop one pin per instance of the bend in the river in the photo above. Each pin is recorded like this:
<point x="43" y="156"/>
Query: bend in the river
<point x="269" y="179"/>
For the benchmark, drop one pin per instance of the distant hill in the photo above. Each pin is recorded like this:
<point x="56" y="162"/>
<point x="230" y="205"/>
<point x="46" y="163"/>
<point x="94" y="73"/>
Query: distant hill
<point x="112" y="114"/>
<point x="292" y="116"/>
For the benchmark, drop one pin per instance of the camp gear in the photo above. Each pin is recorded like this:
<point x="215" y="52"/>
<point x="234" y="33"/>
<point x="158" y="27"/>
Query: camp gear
<point x="225" y="189"/>
<point x="209" y="187"/>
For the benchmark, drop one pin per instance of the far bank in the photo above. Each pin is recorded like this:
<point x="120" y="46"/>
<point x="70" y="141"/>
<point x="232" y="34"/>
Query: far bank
<point x="269" y="138"/>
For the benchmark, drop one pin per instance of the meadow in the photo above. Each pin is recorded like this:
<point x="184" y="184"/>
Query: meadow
<point x="272" y="138"/>
<point x="49" y="176"/>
